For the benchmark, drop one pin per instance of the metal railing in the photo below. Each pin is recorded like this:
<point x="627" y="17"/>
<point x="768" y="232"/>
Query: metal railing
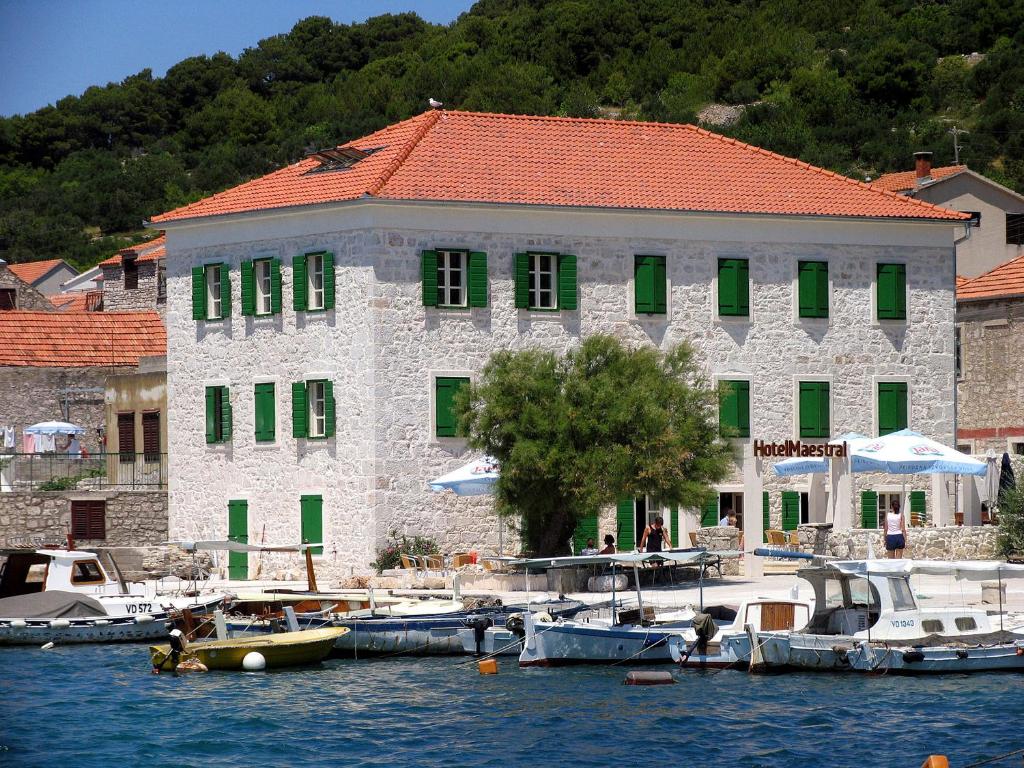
<point x="64" y="472"/>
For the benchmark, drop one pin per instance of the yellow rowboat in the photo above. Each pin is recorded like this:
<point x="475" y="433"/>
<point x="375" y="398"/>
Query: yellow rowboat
<point x="287" y="649"/>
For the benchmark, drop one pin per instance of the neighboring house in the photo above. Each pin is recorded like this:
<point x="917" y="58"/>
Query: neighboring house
<point x="996" y="234"/>
<point x="54" y="366"/>
<point x="990" y="360"/>
<point x="321" y="318"/>
<point x="136" y="424"/>
<point x="45" y="276"/>
<point x="90" y="280"/>
<point x="134" y="278"/>
<point x="15" y="293"/>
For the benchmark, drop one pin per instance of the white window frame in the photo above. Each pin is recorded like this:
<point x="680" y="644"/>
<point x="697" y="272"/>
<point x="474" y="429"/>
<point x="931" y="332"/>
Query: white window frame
<point x="534" y="288"/>
<point x="1010" y="442"/>
<point x="212" y="283"/>
<point x="820" y="321"/>
<point x="316" y="409"/>
<point x="445" y="270"/>
<point x="314" y="281"/>
<point x="875" y="381"/>
<point x="263" y="288"/>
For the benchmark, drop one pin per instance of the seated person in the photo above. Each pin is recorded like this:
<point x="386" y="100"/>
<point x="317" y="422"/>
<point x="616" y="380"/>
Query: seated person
<point x="609" y="545"/>
<point x="728" y="519"/>
<point x="590" y="549"/>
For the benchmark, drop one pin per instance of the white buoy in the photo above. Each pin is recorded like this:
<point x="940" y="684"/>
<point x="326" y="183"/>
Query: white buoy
<point x="254" y="662"/>
<point x="47" y="647"/>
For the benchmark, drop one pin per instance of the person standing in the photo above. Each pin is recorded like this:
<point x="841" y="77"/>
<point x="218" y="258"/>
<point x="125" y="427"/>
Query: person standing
<point x="895" y="531"/>
<point x="655" y="536"/>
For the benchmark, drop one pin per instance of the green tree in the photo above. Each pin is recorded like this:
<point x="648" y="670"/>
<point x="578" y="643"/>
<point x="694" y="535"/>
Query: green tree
<point x="577" y="433"/>
<point x="1010" y="540"/>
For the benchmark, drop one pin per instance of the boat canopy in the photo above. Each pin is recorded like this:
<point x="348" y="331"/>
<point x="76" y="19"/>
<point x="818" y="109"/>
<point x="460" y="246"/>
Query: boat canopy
<point x="693" y="557"/>
<point x="235" y="546"/>
<point x="963" y="570"/>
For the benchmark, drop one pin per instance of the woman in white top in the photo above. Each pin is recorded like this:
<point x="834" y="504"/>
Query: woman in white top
<point x="895" y="531"/>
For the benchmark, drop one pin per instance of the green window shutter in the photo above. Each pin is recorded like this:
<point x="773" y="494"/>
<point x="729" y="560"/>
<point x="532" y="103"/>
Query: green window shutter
<point x="567" y="282"/>
<point x="673" y="521"/>
<point x="238" y="531"/>
<point x="445" y="389"/>
<point x="660" y="286"/>
<point x="868" y="509"/>
<point x="225" y="291"/>
<point x="625" y="526"/>
<point x="643" y="285"/>
<point x="709" y="513"/>
<point x="743" y="287"/>
<point x="198" y="293"/>
<point x="522" y="280"/>
<point x="918" y="513"/>
<point x="329" y="408"/>
<point x="814" y="409"/>
<point x="790" y="510"/>
<point x="733" y="287"/>
<point x="892" y="406"/>
<point x="248" y="289"/>
<point x="225" y="414"/>
<point x="892" y="292"/>
<point x="299" y="283"/>
<point x="428" y="275"/>
<point x="275" y="286"/>
<point x="734" y="408"/>
<point x="265" y="412"/>
<point x="766" y="514"/>
<point x="300" y="414"/>
<point x="328" y="258"/>
<point x="477" y="279"/>
<point x="586" y="528"/>
<point x="812" y="290"/>
<point x="211" y="431"/>
<point x="312" y="521"/>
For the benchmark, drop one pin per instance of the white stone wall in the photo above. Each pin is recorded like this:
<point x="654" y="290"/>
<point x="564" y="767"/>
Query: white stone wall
<point x="382" y="348"/>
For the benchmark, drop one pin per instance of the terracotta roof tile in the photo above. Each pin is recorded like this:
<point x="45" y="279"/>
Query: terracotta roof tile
<point x="515" y="159"/>
<point x="30" y="271"/>
<point x="154" y="250"/>
<point x="73" y="301"/>
<point x="961" y="281"/>
<point x="76" y="339"/>
<point x="1004" y="281"/>
<point x="906" y="180"/>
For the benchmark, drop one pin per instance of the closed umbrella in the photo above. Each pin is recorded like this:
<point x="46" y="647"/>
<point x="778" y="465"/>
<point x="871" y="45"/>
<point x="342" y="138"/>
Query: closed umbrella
<point x="1007" y="482"/>
<point x="991" y="483"/>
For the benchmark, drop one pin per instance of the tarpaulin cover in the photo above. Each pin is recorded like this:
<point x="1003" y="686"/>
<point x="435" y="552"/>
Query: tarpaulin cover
<point x="50" y="605"/>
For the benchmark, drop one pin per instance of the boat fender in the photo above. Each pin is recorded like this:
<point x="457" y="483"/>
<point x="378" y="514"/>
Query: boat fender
<point x="60" y="624"/>
<point x="19" y="623"/>
<point x="254" y="662"/>
<point x="637" y="677"/>
<point x="961" y="653"/>
<point x="101" y="622"/>
<point x="543" y="616"/>
<point x="47" y="647"/>
<point x="911" y="656"/>
<point x="488" y="667"/>
<point x="192" y="665"/>
<point x="143" y="619"/>
<point x="1020" y="650"/>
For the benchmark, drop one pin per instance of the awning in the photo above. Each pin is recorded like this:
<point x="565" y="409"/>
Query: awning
<point x="964" y="570"/>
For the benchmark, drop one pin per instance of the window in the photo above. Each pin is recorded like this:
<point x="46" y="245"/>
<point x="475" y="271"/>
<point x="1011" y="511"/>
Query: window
<point x="8" y="298"/>
<point x="151" y="436"/>
<point x="918" y="510"/>
<point x="88" y="518"/>
<point x="891" y="287"/>
<point x="126" y="437"/>
<point x="265" y="412"/>
<point x="451" y="278"/>
<point x="161" y="283"/>
<point x="264" y="290"/>
<point x="311" y="510"/>
<point x="313" y="409"/>
<point x="902" y="596"/>
<point x="958" y="353"/>
<point x="734" y="408"/>
<point x="131" y="274"/>
<point x="455" y="279"/>
<point x="733" y="288"/>
<point x="218" y="415"/>
<point x="261" y="287"/>
<point x="932" y="626"/>
<point x="814" y="409"/>
<point x="650" y="285"/>
<point x="445" y="389"/>
<point x="892" y="406"/>
<point x="965" y="623"/>
<point x="313" y="282"/>
<point x="238" y="530"/>
<point x="812" y="288"/>
<point x="790" y="510"/>
<point x="87" y="572"/>
<point x="545" y="281"/>
<point x="211" y="292"/>
<point x="975" y="218"/>
<point x="1017" y="448"/>
<point x="213" y="308"/>
<point x="1015" y="229"/>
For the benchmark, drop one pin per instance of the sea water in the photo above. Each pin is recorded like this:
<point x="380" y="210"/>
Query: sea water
<point x="100" y="706"/>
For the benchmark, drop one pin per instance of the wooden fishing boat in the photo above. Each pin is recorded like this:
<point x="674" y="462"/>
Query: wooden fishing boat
<point x="286" y="649"/>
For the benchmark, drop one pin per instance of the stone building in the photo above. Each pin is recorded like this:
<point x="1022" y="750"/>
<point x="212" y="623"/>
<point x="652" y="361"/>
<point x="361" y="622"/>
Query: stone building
<point x="45" y="276"/>
<point x="320" y="318"/>
<point x="996" y="234"/>
<point x="134" y="278"/>
<point x="136" y="419"/>
<point x="15" y="293"/>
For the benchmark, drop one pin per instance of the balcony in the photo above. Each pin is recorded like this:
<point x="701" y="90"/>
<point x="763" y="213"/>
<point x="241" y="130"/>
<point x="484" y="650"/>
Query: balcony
<point x="62" y="472"/>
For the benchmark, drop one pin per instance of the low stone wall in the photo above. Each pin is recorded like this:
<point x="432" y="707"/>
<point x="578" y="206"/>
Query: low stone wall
<point x="947" y="543"/>
<point x="133" y="518"/>
<point x="718" y="539"/>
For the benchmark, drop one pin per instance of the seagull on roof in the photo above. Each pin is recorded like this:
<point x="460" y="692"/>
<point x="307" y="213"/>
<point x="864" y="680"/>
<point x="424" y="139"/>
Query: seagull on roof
<point x="434" y="103"/>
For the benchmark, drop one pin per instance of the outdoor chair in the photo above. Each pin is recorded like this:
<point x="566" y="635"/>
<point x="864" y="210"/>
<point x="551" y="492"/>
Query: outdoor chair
<point x="776" y="539"/>
<point x="461" y="559"/>
<point x="433" y="562"/>
<point x="693" y="538"/>
<point x="793" y="538"/>
<point x="409" y="562"/>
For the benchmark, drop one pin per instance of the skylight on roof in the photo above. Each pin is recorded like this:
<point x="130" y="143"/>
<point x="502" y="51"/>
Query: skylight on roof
<point x="340" y="158"/>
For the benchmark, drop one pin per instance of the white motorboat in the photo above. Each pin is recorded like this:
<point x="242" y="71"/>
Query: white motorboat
<point x="957" y="657"/>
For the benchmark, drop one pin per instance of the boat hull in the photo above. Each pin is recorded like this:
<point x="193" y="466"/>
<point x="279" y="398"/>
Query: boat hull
<point x="82" y="630"/>
<point x="435" y="636"/>
<point x="288" y="649"/>
<point x="937" y="660"/>
<point x="732" y="652"/>
<point x="559" y="644"/>
<point x="815" y="652"/>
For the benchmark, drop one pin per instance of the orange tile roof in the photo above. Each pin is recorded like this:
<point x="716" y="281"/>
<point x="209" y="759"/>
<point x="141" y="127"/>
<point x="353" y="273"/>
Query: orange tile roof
<point x="1004" y="281"/>
<point x="559" y="161"/>
<point x="961" y="281"/>
<point x="30" y="271"/>
<point x="902" y="181"/>
<point x="77" y="339"/>
<point x="153" y="250"/>
<point x="73" y="301"/>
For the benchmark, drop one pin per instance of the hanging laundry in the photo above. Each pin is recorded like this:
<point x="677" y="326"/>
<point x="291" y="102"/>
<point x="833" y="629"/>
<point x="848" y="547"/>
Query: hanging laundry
<point x="46" y="444"/>
<point x="8" y="437"/>
<point x="28" y="443"/>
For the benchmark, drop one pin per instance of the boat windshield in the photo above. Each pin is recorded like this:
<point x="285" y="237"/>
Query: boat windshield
<point x="902" y="595"/>
<point x="833" y="593"/>
<point x="861" y="592"/>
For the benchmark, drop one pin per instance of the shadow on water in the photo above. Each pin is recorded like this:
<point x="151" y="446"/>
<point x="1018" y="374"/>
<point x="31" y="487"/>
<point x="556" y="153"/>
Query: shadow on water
<point x="99" y="706"/>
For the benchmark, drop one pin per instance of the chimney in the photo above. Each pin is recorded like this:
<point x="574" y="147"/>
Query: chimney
<point x="922" y="166"/>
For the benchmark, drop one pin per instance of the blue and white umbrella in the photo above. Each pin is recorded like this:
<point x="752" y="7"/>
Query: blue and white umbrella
<point x="907" y="453"/>
<point x="806" y="465"/>
<point x="54" y="428"/>
<point x="474" y="479"/>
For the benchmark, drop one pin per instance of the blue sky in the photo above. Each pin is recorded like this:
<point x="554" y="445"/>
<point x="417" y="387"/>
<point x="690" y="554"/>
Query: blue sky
<point x="51" y="48"/>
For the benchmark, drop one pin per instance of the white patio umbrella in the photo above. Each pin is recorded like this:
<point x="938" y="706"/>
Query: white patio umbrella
<point x="54" y="428"/>
<point x="477" y="478"/>
<point x="909" y="453"/>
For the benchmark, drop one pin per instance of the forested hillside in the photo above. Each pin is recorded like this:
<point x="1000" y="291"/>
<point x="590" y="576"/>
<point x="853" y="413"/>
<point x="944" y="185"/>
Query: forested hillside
<point x="852" y="86"/>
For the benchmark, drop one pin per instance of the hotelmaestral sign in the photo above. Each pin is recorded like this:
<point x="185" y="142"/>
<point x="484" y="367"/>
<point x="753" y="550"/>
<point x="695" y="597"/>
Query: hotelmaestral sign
<point x="791" y="448"/>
